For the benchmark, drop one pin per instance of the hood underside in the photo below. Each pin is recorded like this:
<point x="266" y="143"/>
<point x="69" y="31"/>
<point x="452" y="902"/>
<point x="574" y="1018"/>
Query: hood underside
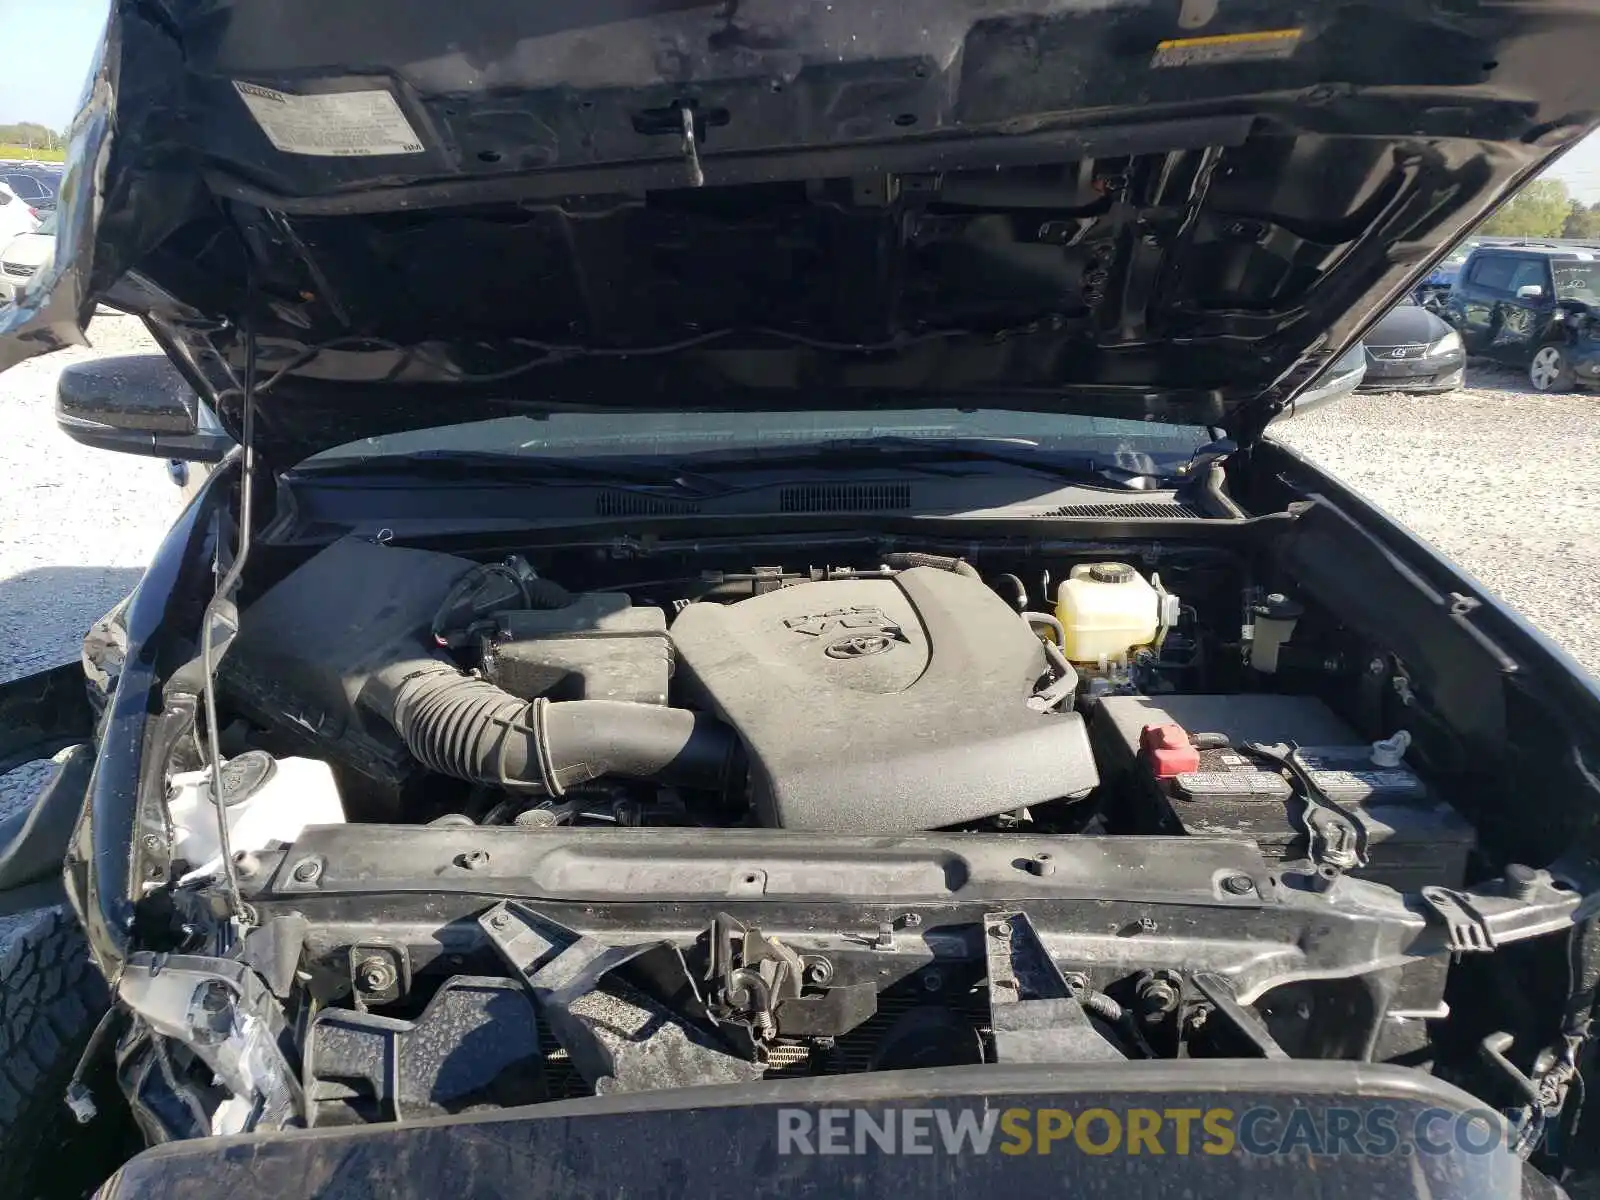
<point x="1176" y="210"/>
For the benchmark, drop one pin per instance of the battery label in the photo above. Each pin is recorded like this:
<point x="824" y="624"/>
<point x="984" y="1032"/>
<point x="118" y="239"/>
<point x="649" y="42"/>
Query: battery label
<point x="1250" y="783"/>
<point x="1368" y="782"/>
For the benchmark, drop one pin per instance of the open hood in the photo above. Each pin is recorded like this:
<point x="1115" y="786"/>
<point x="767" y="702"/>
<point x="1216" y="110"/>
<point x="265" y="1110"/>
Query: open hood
<point x="1175" y="210"/>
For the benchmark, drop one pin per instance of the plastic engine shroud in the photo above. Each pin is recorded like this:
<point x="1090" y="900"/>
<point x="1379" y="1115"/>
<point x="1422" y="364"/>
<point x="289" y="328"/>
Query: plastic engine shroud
<point x="883" y="705"/>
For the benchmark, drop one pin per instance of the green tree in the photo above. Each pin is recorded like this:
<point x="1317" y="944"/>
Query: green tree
<point x="1583" y="221"/>
<point x="30" y="133"/>
<point x="1539" y="210"/>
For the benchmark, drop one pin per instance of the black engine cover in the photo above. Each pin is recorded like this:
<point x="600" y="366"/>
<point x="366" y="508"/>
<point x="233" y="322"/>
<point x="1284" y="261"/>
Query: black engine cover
<point x="883" y="705"/>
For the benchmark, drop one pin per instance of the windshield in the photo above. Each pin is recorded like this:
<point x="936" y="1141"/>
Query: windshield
<point x="1577" y="281"/>
<point x="591" y="435"/>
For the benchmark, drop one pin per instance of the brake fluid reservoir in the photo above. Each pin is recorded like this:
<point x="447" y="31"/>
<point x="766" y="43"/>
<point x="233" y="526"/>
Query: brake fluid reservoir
<point x="267" y="800"/>
<point x="1107" y="610"/>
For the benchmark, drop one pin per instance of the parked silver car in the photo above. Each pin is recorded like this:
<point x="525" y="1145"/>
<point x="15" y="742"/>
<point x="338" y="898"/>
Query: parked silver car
<point x="22" y="256"/>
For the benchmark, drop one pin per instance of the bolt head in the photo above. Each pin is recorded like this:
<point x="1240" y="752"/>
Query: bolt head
<point x="499" y="920"/>
<point x="1001" y="931"/>
<point x="375" y="974"/>
<point x="1238" y="885"/>
<point x="1522" y="881"/>
<point x="307" y="870"/>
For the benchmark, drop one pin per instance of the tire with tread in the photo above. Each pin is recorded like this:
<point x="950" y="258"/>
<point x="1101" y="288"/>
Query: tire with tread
<point x="51" y="997"/>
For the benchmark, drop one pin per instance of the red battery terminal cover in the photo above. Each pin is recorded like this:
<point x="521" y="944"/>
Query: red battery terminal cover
<point x="1168" y="750"/>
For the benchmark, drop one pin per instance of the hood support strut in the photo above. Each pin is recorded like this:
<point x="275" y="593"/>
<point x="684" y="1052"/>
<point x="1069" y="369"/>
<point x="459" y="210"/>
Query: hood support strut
<point x="222" y="617"/>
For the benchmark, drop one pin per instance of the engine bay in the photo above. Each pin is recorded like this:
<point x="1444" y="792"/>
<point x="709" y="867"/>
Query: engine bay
<point x="682" y="818"/>
<point x="440" y="689"/>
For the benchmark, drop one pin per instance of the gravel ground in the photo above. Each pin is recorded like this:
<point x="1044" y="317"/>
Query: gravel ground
<point x="76" y="526"/>
<point x="1499" y="477"/>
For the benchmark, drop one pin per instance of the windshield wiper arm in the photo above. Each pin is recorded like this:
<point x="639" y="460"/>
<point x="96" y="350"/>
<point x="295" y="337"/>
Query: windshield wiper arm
<point x="902" y="449"/>
<point x="474" y="466"/>
<point x="699" y="475"/>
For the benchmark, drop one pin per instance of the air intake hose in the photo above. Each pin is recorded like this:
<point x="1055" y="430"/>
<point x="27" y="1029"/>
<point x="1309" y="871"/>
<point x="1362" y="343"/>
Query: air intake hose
<point x="904" y="560"/>
<point x="471" y="729"/>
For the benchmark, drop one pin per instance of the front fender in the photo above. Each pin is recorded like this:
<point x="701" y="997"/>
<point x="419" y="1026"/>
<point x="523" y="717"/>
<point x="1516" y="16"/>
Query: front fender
<point x="107" y="856"/>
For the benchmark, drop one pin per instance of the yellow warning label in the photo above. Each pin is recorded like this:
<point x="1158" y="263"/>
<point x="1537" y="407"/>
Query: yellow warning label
<point x="1227" y="48"/>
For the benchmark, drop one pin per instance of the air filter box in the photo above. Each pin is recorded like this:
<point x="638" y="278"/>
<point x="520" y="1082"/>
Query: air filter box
<point x="600" y="647"/>
<point x="306" y="648"/>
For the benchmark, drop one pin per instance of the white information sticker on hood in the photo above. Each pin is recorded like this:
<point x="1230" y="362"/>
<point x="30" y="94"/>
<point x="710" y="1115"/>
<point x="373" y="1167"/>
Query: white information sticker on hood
<point x="333" y="124"/>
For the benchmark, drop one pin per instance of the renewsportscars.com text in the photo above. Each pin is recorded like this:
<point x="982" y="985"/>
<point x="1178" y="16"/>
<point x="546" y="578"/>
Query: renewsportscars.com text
<point x="1259" y="1130"/>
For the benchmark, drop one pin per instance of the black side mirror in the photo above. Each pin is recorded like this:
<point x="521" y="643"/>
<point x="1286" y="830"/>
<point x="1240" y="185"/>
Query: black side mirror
<point x="137" y="404"/>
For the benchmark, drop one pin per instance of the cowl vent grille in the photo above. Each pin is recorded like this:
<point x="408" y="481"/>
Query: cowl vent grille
<point x="845" y="497"/>
<point x="632" y="504"/>
<point x="1170" y="509"/>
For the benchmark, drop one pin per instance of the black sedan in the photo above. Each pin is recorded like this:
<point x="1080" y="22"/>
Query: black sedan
<point x="1412" y="350"/>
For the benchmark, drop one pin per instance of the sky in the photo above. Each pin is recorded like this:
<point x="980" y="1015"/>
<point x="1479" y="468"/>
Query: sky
<point x="50" y="44"/>
<point x="1579" y="168"/>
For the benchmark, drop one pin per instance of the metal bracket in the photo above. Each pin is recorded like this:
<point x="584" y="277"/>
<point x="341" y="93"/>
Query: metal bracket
<point x="272" y="951"/>
<point x="1466" y="929"/>
<point x="1337" y="838"/>
<point x="379" y="974"/>
<point x="1034" y="1013"/>
<point x="757" y="990"/>
<point x="1245" y="1022"/>
<point x="835" y="1011"/>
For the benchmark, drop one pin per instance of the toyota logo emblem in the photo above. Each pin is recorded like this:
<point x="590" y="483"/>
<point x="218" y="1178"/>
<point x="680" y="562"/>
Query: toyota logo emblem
<point x="860" y="645"/>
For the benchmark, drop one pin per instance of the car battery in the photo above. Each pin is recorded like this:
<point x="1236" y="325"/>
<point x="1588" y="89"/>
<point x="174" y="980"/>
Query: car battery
<point x="1169" y="786"/>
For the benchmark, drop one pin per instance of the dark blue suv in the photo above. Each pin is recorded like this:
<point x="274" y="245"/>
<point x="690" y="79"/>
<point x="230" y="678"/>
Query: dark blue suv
<point x="1533" y="307"/>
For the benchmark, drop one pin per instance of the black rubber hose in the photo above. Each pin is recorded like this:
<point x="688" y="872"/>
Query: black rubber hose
<point x="903" y="560"/>
<point x="471" y="729"/>
<point x="546" y="593"/>
<point x="470" y="599"/>
<point x="1019" y="591"/>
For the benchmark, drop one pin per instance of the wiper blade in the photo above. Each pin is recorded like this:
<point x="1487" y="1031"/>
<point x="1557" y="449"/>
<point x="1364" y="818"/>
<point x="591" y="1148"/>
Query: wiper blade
<point x="924" y="453"/>
<point x="702" y="475"/>
<point x="661" y="477"/>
